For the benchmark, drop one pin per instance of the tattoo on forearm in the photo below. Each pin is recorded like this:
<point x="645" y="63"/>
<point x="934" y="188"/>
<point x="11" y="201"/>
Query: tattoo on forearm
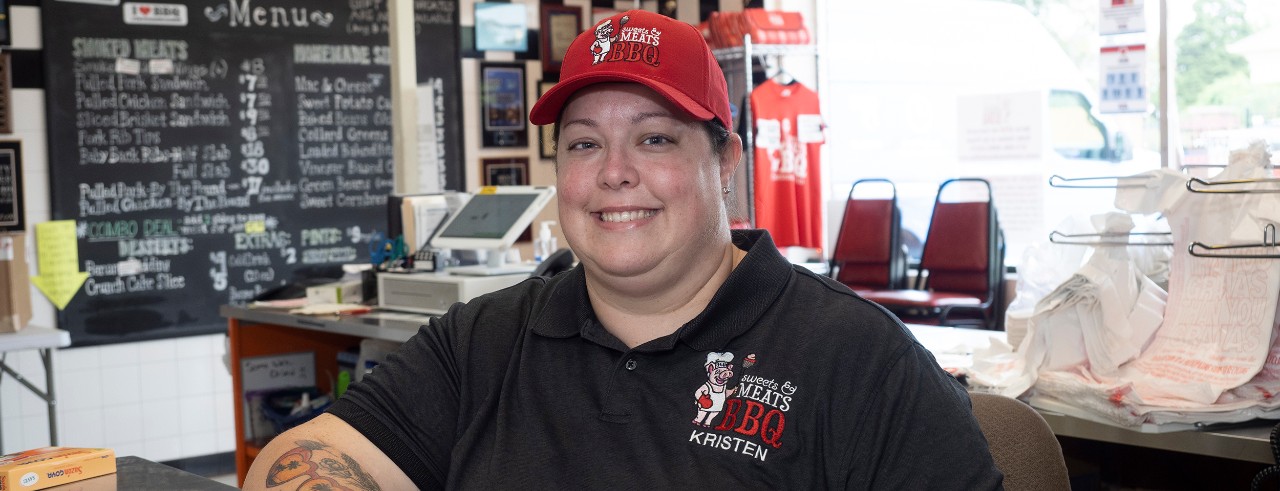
<point x="319" y="467"/>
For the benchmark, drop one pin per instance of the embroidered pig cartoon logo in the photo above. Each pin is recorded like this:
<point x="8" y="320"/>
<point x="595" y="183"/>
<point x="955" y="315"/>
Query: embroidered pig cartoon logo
<point x="604" y="39"/>
<point x="710" y="397"/>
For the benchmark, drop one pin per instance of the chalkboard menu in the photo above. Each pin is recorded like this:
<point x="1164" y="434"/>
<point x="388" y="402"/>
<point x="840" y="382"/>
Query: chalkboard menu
<point x="210" y="151"/>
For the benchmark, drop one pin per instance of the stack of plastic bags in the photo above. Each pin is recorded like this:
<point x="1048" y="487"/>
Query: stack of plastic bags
<point x="1108" y="344"/>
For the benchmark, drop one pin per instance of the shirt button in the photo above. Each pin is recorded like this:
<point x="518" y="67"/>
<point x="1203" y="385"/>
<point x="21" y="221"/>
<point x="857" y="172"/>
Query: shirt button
<point x="631" y="364"/>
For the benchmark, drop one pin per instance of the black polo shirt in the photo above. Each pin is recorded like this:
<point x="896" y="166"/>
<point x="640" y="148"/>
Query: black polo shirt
<point x="524" y="387"/>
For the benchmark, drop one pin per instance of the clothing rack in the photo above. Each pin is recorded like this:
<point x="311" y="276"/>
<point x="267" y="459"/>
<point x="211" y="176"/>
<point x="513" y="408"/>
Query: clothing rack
<point x="745" y="54"/>
<point x="1199" y="249"/>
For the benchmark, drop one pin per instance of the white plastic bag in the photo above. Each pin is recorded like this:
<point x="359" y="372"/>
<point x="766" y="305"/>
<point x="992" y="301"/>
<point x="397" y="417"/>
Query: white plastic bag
<point x="1105" y="314"/>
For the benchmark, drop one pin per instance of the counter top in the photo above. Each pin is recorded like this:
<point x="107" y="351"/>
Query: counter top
<point x="1249" y="441"/>
<point x="378" y="324"/>
<point x="139" y="474"/>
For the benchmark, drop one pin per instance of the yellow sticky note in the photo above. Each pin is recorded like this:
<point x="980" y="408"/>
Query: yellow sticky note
<point x="59" y="259"/>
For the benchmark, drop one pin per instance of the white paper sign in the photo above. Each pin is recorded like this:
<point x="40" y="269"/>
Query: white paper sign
<point x="278" y="371"/>
<point x="809" y="128"/>
<point x="999" y="126"/>
<point x="128" y="66"/>
<point x="160" y="66"/>
<point x="6" y="248"/>
<point x="1124" y="81"/>
<point x="768" y="134"/>
<point x="430" y="137"/>
<point x="1121" y="16"/>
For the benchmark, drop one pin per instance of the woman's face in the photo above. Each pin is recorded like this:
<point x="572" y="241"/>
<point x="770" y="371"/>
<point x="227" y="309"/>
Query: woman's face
<point x="638" y="184"/>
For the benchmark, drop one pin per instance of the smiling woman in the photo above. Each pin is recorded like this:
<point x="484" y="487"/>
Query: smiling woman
<point x="634" y="363"/>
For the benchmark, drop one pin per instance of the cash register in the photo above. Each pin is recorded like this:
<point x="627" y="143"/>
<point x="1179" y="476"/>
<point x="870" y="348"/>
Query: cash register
<point x="489" y="223"/>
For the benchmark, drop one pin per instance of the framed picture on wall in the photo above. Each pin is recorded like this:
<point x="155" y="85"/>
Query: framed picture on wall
<point x="500" y="26"/>
<point x="502" y="105"/>
<point x="560" y="25"/>
<point x="505" y="171"/>
<point x="12" y="215"/>
<point x="546" y="132"/>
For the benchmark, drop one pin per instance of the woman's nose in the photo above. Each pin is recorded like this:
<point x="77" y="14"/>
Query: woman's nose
<point x="618" y="172"/>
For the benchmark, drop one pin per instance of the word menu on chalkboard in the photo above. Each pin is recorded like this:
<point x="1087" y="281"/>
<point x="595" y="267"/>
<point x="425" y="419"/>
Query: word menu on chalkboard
<point x="213" y="150"/>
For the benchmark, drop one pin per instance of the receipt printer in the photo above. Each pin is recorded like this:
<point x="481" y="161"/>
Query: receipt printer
<point x="433" y="293"/>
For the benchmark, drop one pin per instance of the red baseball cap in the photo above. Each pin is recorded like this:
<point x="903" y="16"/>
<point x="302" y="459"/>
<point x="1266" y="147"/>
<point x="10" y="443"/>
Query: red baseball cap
<point x="661" y="53"/>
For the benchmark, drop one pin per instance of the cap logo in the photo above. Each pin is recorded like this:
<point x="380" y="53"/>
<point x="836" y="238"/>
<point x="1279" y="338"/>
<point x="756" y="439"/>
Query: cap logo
<point x="631" y="44"/>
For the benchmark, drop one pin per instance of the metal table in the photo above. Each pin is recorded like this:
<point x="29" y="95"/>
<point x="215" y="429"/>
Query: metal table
<point x="1249" y="441"/>
<point x="45" y="340"/>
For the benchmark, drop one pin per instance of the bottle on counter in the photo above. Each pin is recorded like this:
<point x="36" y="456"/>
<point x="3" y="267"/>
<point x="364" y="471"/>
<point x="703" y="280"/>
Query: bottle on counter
<point x="545" y="244"/>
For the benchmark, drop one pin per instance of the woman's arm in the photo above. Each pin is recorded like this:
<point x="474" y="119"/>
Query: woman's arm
<point x="324" y="453"/>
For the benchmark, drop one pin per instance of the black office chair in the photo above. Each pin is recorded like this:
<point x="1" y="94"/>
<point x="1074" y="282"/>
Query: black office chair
<point x="558" y="262"/>
<point x="1270" y="473"/>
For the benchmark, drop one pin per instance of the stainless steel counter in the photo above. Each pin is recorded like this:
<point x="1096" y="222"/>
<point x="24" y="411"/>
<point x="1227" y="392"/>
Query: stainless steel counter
<point x="384" y="325"/>
<point x="1248" y="441"/>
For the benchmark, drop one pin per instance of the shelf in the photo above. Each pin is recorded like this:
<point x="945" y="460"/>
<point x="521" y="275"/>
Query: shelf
<point x="736" y="53"/>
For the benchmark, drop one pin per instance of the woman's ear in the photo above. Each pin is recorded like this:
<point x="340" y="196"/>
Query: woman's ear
<point x="729" y="159"/>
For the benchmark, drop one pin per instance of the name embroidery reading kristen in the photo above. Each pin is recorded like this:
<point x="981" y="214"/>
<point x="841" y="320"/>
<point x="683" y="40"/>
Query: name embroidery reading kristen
<point x="757" y="413"/>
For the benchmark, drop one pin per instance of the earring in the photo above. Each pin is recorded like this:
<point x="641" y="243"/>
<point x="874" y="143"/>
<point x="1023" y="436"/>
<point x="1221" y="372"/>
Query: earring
<point x="725" y="189"/>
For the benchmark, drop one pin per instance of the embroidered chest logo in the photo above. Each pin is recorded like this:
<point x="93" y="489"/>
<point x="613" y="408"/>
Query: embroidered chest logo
<point x="751" y="412"/>
<point x="631" y="43"/>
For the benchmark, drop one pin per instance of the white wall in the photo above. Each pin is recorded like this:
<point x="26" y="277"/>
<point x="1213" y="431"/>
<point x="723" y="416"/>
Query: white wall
<point x="160" y="400"/>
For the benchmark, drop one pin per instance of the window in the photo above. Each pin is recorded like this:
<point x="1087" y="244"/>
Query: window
<point x="918" y="92"/>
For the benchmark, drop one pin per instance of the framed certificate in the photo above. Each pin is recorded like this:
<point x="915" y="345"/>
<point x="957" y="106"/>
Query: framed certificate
<point x="560" y="25"/>
<point x="546" y="132"/>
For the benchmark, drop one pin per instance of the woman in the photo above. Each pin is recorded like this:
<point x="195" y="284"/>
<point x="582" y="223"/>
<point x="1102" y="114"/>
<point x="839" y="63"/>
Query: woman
<point x="676" y="355"/>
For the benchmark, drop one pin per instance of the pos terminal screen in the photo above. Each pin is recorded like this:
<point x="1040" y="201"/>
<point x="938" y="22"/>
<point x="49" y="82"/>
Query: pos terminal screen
<point x="488" y="216"/>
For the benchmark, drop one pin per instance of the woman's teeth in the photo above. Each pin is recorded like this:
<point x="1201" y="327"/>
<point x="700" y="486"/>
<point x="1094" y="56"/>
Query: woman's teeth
<point x="626" y="216"/>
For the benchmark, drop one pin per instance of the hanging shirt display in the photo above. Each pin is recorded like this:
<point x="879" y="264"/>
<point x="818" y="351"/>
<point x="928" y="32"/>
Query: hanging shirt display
<point x="788" y="192"/>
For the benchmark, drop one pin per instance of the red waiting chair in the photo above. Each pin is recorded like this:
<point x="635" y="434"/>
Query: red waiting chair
<point x="961" y="275"/>
<point x="868" y="254"/>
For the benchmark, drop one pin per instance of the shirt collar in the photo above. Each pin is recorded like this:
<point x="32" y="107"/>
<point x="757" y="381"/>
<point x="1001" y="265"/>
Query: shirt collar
<point x="745" y="296"/>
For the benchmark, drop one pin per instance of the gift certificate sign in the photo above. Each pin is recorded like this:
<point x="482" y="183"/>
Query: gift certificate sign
<point x="1124" y="83"/>
<point x="1121" y="16"/>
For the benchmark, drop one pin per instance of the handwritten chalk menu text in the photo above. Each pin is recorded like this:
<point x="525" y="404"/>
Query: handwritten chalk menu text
<point x="211" y="151"/>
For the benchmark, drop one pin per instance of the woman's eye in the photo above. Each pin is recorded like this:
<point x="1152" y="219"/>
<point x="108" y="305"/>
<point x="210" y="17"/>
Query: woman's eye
<point x="581" y="145"/>
<point x="657" y="140"/>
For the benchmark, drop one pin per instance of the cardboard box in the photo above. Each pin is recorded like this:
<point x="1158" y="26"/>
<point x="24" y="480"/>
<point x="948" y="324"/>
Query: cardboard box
<point x="338" y="292"/>
<point x="52" y="466"/>
<point x="15" y="283"/>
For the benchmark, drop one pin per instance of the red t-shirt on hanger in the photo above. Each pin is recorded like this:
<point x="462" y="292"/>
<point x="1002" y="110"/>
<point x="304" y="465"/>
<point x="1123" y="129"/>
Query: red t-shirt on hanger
<point x="788" y="139"/>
